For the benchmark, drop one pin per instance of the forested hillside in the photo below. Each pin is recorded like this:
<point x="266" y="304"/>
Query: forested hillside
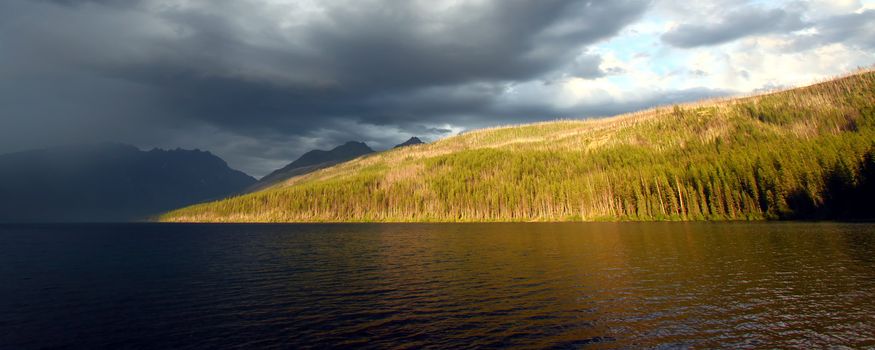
<point x="802" y="153"/>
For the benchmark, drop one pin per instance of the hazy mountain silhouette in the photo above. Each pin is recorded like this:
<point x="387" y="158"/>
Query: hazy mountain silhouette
<point x="410" y="142"/>
<point x="109" y="182"/>
<point x="315" y="160"/>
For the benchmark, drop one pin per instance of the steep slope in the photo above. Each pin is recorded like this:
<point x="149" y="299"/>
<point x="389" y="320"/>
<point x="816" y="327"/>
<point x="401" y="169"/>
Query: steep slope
<point x="109" y="182"/>
<point x="802" y="153"/>
<point x="410" y="142"/>
<point x="314" y="160"/>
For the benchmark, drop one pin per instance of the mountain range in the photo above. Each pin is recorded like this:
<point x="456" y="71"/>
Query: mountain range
<point x="118" y="182"/>
<point x="109" y="182"/>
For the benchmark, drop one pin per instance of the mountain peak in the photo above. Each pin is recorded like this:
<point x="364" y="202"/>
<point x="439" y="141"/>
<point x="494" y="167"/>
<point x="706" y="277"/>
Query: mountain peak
<point x="315" y="160"/>
<point x="353" y="145"/>
<point x="343" y="152"/>
<point x="410" y="142"/>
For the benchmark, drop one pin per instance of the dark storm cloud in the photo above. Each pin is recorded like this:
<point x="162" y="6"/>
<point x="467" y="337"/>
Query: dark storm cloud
<point x="586" y="66"/>
<point x="277" y="78"/>
<point x="855" y="29"/>
<point x="736" y="24"/>
<point x="85" y="2"/>
<point x="343" y="65"/>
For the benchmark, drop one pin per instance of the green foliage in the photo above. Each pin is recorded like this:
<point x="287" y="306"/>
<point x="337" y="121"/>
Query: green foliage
<point x="797" y="153"/>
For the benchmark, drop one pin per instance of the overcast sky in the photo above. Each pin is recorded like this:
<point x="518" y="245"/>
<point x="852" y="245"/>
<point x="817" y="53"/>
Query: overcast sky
<point x="259" y="82"/>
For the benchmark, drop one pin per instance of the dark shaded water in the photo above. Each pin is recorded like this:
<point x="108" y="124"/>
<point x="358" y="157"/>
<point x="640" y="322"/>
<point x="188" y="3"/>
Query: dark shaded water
<point x="606" y="285"/>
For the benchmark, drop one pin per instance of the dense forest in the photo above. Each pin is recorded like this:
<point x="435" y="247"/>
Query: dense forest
<point x="806" y="153"/>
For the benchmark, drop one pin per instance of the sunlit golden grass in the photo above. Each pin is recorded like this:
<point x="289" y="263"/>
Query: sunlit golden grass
<point x="756" y="157"/>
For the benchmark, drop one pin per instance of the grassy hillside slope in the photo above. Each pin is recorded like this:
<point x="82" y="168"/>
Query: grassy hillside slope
<point x="802" y="153"/>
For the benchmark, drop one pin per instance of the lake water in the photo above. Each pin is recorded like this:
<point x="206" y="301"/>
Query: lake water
<point x="602" y="285"/>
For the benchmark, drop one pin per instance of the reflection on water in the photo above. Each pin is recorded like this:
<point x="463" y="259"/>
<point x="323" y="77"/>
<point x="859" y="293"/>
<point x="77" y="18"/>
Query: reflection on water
<point x="469" y="285"/>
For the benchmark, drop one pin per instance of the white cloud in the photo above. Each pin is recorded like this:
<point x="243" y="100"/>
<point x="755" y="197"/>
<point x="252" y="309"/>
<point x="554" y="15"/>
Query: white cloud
<point x="751" y="63"/>
<point x="824" y="8"/>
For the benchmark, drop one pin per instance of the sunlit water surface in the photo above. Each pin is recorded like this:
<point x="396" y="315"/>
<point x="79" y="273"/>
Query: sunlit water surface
<point x="629" y="285"/>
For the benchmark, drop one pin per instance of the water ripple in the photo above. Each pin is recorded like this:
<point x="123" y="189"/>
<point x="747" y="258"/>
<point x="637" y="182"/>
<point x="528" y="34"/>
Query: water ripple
<point x="556" y="286"/>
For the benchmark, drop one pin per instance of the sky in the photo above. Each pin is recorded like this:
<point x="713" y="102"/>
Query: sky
<point x="259" y="82"/>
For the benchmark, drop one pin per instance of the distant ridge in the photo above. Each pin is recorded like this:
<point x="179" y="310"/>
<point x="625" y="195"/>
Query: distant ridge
<point x="805" y="153"/>
<point x="410" y="142"/>
<point x="109" y="182"/>
<point x="314" y="160"/>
